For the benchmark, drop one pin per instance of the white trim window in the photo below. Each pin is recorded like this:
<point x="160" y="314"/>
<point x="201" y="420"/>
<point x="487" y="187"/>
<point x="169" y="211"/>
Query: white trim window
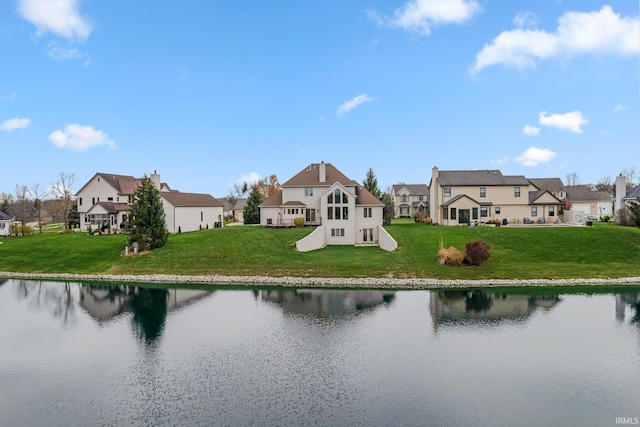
<point x="337" y="232"/>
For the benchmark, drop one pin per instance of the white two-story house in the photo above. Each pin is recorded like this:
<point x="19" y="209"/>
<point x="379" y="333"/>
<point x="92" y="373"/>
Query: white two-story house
<point x="104" y="202"/>
<point x="344" y="212"/>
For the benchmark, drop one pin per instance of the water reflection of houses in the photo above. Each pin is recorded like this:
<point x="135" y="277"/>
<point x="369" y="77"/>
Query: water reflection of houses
<point x="631" y="299"/>
<point x="465" y="307"/>
<point x="104" y="302"/>
<point x="327" y="302"/>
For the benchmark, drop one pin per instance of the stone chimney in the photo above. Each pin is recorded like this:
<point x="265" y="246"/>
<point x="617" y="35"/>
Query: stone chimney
<point x="621" y="191"/>
<point x="323" y="172"/>
<point x="155" y="178"/>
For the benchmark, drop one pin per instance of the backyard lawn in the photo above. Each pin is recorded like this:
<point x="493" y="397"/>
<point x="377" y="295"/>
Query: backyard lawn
<point x="602" y="251"/>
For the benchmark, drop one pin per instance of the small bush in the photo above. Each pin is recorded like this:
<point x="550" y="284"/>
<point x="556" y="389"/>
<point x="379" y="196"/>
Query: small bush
<point x="179" y="229"/>
<point x="421" y="219"/>
<point x="298" y="221"/>
<point x="477" y="252"/>
<point x="605" y="218"/>
<point x="450" y="256"/>
<point x="624" y="217"/>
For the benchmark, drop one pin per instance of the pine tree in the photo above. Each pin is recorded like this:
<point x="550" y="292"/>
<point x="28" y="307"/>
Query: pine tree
<point x="371" y="184"/>
<point x="146" y="216"/>
<point x="251" y="210"/>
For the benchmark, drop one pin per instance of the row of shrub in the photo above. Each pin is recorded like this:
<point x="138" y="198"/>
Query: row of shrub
<point x="475" y="253"/>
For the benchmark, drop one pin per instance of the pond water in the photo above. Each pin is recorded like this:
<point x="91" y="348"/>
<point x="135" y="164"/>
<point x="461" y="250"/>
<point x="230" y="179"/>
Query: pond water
<point x="91" y="355"/>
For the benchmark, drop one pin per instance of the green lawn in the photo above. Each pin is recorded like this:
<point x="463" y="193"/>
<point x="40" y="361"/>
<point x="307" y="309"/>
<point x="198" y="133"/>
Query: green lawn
<point x="601" y="251"/>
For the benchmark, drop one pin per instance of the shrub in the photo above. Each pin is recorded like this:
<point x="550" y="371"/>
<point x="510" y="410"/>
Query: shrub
<point x="605" y="218"/>
<point x="477" y="252"/>
<point x="179" y="229"/>
<point x="298" y="221"/>
<point x="624" y="217"/>
<point x="450" y="256"/>
<point x="421" y="219"/>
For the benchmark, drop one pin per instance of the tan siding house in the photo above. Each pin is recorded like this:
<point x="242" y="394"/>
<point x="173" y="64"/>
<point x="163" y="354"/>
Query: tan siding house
<point x="410" y="199"/>
<point x="479" y="196"/>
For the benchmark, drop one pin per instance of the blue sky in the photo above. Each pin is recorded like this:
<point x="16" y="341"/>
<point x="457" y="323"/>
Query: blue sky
<point x="209" y="93"/>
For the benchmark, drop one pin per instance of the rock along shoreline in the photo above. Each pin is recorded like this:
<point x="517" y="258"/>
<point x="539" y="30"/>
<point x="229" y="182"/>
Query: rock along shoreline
<point x="316" y="282"/>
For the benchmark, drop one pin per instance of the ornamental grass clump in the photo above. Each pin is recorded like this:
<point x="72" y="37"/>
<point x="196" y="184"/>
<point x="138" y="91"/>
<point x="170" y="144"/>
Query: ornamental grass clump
<point x="451" y="256"/>
<point x="476" y="253"/>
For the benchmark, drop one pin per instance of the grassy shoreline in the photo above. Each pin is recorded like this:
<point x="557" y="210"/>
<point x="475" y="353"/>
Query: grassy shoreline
<point x="603" y="252"/>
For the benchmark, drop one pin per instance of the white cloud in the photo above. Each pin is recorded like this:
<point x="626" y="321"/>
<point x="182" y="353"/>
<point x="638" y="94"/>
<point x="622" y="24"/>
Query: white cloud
<point x="9" y="97"/>
<point x="80" y="138"/>
<point x="533" y="156"/>
<point x="501" y="161"/>
<point x="250" y="178"/>
<point x="61" y="17"/>
<point x="530" y="130"/>
<point x="578" y="33"/>
<point x="353" y="103"/>
<point x="14" y="124"/>
<point x="61" y="54"/>
<point x="619" y="107"/>
<point x="525" y="19"/>
<point x="421" y="15"/>
<point x="569" y="121"/>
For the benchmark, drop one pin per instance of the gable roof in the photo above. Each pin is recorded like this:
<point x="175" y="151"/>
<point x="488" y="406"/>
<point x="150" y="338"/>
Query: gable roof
<point x="416" y="189"/>
<point x="552" y="185"/>
<point x="179" y="199"/>
<point x="582" y="193"/>
<point x="4" y="217"/>
<point x="534" y="196"/>
<point x="464" y="196"/>
<point x="240" y="204"/>
<point x="310" y="177"/>
<point x="110" y="206"/>
<point x="479" y="177"/>
<point x="274" y="201"/>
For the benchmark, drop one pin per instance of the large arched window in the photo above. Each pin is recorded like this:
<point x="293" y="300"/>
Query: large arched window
<point x="337" y="197"/>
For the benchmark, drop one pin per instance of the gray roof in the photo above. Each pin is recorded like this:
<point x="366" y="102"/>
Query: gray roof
<point x="552" y="185"/>
<point x="479" y="177"/>
<point x="578" y="193"/>
<point x="240" y="204"/>
<point x="415" y="189"/>
<point x="634" y="193"/>
<point x="4" y="217"/>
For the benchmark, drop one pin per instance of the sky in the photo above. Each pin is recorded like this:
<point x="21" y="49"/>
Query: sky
<point x="211" y="93"/>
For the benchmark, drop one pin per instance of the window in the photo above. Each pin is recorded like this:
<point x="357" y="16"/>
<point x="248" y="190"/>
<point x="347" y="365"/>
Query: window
<point x="201" y="216"/>
<point x="404" y="210"/>
<point x="117" y="199"/>
<point x="367" y="234"/>
<point x="308" y="191"/>
<point x="552" y="210"/>
<point x="345" y="212"/>
<point x="483" y="191"/>
<point x="453" y="213"/>
<point x="497" y="209"/>
<point x="516" y="191"/>
<point x="110" y="199"/>
<point x="337" y="195"/>
<point x="445" y="213"/>
<point x="345" y="199"/>
<point x="337" y="232"/>
<point x="420" y="198"/>
<point x="367" y="213"/>
<point x="534" y="211"/>
<point x="336" y="214"/>
<point x="404" y="198"/>
<point x="474" y="213"/>
<point x="80" y="201"/>
<point x="484" y="212"/>
<point x="93" y="200"/>
<point x="447" y="192"/>
<point x="330" y="212"/>
<point x="330" y="198"/>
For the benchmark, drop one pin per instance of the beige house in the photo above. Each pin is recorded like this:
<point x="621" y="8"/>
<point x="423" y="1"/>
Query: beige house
<point x="104" y="202"/>
<point x="590" y="202"/>
<point x="410" y="199"/>
<point x="344" y="212"/>
<point x="478" y="196"/>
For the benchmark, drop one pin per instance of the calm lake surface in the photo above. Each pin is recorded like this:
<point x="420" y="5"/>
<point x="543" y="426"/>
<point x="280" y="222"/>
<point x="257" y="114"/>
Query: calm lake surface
<point x="87" y="355"/>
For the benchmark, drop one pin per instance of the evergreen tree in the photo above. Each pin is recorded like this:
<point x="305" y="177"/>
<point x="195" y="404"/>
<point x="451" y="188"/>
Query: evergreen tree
<point x="251" y="210"/>
<point x="388" y="212"/>
<point x="371" y="184"/>
<point x="634" y="207"/>
<point x="146" y="216"/>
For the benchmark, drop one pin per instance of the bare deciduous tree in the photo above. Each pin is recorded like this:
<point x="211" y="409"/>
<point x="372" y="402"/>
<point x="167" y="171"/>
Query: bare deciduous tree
<point x="632" y="175"/>
<point x="22" y="203"/>
<point x="62" y="189"/>
<point x="38" y="194"/>
<point x="605" y="184"/>
<point x="572" y="179"/>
